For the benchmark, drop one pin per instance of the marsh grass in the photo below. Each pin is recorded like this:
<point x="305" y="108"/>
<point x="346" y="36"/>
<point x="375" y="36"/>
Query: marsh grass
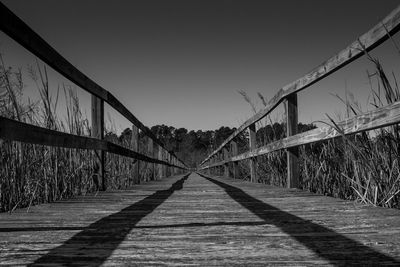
<point x="364" y="167"/>
<point x="33" y="174"/>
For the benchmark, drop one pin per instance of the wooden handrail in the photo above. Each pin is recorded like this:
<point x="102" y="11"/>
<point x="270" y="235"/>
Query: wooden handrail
<point x="368" y="41"/>
<point x="14" y="27"/>
<point x="379" y="118"/>
<point x="23" y="132"/>
<point x="18" y="30"/>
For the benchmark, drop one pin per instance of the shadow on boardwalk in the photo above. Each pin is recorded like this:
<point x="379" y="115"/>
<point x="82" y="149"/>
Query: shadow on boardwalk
<point x="95" y="243"/>
<point x="326" y="243"/>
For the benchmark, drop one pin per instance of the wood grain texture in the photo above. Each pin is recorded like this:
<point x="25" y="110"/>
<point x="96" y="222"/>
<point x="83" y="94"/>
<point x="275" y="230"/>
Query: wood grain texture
<point x="23" y="132"/>
<point x="378" y="118"/>
<point x="200" y="221"/>
<point x="368" y="41"/>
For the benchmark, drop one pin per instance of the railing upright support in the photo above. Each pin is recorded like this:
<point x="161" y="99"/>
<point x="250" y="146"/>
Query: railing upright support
<point x="168" y="167"/>
<point x="221" y="167"/>
<point x="150" y="149"/>
<point x="235" y="164"/>
<point x="156" y="147"/>
<point x="135" y="147"/>
<point x="292" y="153"/>
<point x="253" y="145"/>
<point x="98" y="132"/>
<point x="174" y="168"/>
<point x="226" y="165"/>
<point x="160" y="166"/>
<point x="211" y="161"/>
<point x="164" y="168"/>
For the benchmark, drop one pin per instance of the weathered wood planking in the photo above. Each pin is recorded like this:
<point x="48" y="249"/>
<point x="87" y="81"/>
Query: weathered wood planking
<point x="23" y="132"/>
<point x="378" y="118"/>
<point x="366" y="42"/>
<point x="201" y="222"/>
<point x="18" y="30"/>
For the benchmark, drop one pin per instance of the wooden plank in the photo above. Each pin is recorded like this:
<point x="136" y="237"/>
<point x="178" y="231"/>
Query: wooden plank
<point x="252" y="146"/>
<point x="150" y="151"/>
<point x="378" y="118"/>
<point x="169" y="168"/>
<point x="98" y="132"/>
<point x="18" y="30"/>
<point x="135" y="147"/>
<point x="234" y="152"/>
<point x="226" y="166"/>
<point x="23" y="132"/>
<point x="368" y="41"/>
<point x="173" y="169"/>
<point x="159" y="167"/>
<point x="292" y="153"/>
<point x="116" y="149"/>
<point x="27" y="133"/>
<point x="164" y="170"/>
<point x="221" y="158"/>
<point x="195" y="221"/>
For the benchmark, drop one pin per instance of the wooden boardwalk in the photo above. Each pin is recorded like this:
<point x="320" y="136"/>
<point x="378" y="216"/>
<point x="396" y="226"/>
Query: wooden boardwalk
<point x="195" y="220"/>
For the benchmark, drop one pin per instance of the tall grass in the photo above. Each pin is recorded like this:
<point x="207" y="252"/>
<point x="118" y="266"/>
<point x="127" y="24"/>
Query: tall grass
<point x="32" y="174"/>
<point x="364" y="167"/>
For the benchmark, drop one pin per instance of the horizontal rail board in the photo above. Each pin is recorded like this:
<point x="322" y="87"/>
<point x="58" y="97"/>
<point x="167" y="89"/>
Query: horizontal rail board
<point x="25" y="36"/>
<point x="380" y="117"/>
<point x="27" y="133"/>
<point x="367" y="42"/>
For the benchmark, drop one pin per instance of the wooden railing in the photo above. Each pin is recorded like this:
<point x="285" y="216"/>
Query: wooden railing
<point x="18" y="131"/>
<point x="380" y="117"/>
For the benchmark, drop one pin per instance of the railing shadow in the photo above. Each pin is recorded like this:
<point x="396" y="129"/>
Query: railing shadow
<point x="93" y="245"/>
<point x="163" y="226"/>
<point x="326" y="243"/>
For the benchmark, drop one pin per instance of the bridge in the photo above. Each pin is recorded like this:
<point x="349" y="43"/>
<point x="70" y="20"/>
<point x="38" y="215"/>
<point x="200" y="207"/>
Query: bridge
<point x="207" y="216"/>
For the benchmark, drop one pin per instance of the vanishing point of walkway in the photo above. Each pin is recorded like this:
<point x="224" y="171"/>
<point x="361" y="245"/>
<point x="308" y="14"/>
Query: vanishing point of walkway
<point x="198" y="220"/>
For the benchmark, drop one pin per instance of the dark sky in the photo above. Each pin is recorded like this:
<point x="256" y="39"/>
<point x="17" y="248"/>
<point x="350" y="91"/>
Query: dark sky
<point x="182" y="62"/>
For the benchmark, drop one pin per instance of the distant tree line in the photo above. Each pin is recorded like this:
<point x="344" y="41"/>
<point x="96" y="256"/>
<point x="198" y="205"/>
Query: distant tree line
<point x="193" y="146"/>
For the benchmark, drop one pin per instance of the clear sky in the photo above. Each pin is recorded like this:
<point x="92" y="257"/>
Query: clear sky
<point x="181" y="63"/>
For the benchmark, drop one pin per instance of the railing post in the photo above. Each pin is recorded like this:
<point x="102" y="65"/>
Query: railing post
<point x="221" y="167"/>
<point x="156" y="147"/>
<point x="225" y="157"/>
<point x="212" y="168"/>
<point x="292" y="153"/>
<point x="215" y="168"/>
<point x="234" y="152"/>
<point x="150" y="148"/>
<point x="174" y="168"/>
<point x="160" y="166"/>
<point x="98" y="132"/>
<point x="163" y="166"/>
<point x="169" y="161"/>
<point x="135" y="147"/>
<point x="166" y="166"/>
<point x="253" y="145"/>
